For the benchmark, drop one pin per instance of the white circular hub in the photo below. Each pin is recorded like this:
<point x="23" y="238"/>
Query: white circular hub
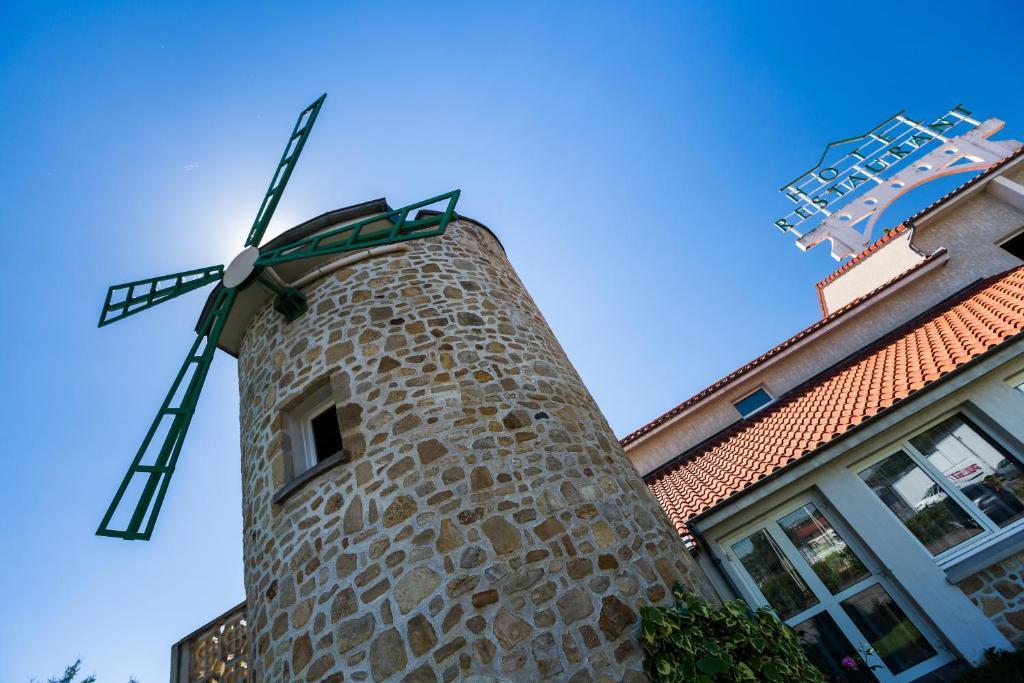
<point x="240" y="267"/>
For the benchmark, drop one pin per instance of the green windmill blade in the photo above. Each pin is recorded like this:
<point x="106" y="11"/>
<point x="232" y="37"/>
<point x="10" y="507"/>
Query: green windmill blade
<point x="134" y="297"/>
<point x="154" y="462"/>
<point x="133" y="512"/>
<point x="296" y="141"/>
<point x="386" y="228"/>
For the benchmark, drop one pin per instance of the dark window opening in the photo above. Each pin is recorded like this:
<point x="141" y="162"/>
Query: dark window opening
<point x="1015" y="246"/>
<point x="326" y="434"/>
<point x="754" y="402"/>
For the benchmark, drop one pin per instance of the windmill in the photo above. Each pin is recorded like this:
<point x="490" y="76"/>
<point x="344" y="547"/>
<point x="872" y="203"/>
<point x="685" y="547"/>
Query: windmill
<point x="151" y="469"/>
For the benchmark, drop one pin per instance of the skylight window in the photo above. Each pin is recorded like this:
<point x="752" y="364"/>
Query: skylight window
<point x="751" y="403"/>
<point x="1015" y="245"/>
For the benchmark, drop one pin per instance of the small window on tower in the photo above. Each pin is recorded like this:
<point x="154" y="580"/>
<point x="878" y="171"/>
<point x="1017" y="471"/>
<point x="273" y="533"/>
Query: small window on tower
<point x="312" y="443"/>
<point x="753" y="402"/>
<point x="1015" y="245"/>
<point x="314" y="432"/>
<point x="326" y="434"/>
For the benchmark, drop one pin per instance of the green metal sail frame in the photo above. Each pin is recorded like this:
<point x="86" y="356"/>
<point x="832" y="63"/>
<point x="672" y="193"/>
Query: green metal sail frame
<point x="385" y="228"/>
<point x="292" y="150"/>
<point x="157" y="457"/>
<point x="143" y="294"/>
<point x="157" y="475"/>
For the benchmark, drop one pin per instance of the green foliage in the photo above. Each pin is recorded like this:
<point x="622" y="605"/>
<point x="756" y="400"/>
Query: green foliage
<point x="693" y="641"/>
<point x="70" y="675"/>
<point x="999" y="667"/>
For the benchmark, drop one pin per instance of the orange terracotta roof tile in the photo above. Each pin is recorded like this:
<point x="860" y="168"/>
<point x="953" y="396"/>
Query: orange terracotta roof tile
<point x="824" y="408"/>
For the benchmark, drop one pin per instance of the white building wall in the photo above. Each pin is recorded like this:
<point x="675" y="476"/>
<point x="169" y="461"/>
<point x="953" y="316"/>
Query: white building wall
<point x="896" y="256"/>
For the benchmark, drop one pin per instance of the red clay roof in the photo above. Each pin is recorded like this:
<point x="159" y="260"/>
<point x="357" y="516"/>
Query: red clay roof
<point x="823" y="409"/>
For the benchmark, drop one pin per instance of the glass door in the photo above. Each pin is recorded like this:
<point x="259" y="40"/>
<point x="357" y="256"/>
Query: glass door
<point x="843" y="610"/>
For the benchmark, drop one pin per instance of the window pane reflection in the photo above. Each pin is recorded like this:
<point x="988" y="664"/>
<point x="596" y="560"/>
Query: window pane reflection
<point x="824" y="549"/>
<point x="978" y="467"/>
<point x="921" y="504"/>
<point x="826" y="647"/>
<point x="753" y="403"/>
<point x="775" y="577"/>
<point x="890" y="632"/>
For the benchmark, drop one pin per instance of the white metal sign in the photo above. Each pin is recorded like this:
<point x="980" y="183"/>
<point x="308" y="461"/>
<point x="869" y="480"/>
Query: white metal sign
<point x="841" y="198"/>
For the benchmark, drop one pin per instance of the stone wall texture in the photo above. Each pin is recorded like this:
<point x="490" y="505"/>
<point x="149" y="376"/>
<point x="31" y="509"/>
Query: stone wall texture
<point x="998" y="591"/>
<point x="488" y="526"/>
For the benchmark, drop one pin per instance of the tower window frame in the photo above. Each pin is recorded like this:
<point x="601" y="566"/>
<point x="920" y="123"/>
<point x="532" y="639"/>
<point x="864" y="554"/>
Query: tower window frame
<point x="314" y="442"/>
<point x="321" y="433"/>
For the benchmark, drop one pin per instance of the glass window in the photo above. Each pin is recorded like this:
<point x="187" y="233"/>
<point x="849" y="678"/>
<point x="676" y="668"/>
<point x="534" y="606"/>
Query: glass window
<point x="1015" y="245"/>
<point x="891" y="633"/>
<point x="774" y="575"/>
<point x="920" y="503"/>
<point x="979" y="468"/>
<point x="326" y="434"/>
<point x="754" y="402"/>
<point x="827" y="647"/>
<point x="824" y="549"/>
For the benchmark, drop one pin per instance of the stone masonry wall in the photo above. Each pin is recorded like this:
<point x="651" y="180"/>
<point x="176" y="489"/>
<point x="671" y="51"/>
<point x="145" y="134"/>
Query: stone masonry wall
<point x="998" y="591"/>
<point x="488" y="527"/>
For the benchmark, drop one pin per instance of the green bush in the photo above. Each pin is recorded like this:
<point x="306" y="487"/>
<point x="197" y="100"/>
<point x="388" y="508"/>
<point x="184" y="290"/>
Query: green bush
<point x="693" y="641"/>
<point x="999" y="667"/>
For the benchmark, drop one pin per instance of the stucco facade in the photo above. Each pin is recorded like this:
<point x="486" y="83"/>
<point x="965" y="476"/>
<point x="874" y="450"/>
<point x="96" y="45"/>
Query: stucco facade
<point x="488" y="523"/>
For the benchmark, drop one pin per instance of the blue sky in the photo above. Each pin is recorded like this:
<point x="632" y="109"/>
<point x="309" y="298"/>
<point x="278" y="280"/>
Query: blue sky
<point x="628" y="157"/>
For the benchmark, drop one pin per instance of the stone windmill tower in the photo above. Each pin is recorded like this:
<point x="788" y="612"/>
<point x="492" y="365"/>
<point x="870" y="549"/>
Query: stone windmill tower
<point x="480" y="518"/>
<point x="429" y="490"/>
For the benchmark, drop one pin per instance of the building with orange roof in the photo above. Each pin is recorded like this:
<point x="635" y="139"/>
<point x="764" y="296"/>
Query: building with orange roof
<point x="865" y="478"/>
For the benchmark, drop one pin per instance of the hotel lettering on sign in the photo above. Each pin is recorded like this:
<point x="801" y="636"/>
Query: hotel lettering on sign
<point x="856" y="179"/>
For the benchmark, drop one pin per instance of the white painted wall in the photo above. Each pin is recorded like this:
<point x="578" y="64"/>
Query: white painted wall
<point x="891" y="260"/>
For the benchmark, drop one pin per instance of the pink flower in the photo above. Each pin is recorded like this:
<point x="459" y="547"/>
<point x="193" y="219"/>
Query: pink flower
<point x="849" y="662"/>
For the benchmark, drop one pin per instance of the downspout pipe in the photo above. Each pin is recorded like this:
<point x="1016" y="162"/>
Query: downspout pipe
<point x="715" y="561"/>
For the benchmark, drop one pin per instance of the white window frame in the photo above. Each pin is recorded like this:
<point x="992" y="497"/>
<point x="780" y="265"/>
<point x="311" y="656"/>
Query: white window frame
<point x="771" y="400"/>
<point x="828" y="602"/>
<point x="991" y="532"/>
<point x="300" y="429"/>
<point x="1016" y="381"/>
